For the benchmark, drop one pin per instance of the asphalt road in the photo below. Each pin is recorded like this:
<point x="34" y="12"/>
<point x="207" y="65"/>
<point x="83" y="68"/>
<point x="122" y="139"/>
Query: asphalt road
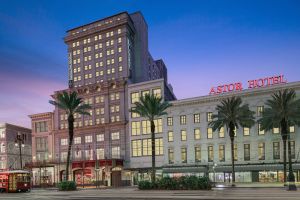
<point x="135" y="194"/>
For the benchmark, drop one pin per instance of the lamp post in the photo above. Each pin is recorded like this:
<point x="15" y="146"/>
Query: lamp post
<point x="19" y="142"/>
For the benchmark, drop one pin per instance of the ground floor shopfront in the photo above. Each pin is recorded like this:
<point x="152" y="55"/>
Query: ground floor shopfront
<point x="107" y="172"/>
<point x="264" y="173"/>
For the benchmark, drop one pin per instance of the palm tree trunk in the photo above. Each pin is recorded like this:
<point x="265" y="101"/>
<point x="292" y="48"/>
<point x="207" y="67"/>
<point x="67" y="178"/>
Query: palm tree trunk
<point x="284" y="160"/>
<point x="71" y="135"/>
<point x="291" y="177"/>
<point x="232" y="160"/>
<point x="153" y="150"/>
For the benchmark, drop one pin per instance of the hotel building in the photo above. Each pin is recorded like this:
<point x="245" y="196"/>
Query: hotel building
<point x="10" y="149"/>
<point x="110" y="67"/>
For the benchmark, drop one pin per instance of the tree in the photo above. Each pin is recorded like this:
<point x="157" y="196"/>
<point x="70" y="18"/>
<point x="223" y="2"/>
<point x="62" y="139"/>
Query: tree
<point x="232" y="114"/>
<point x="283" y="110"/>
<point x="71" y="104"/>
<point x="151" y="107"/>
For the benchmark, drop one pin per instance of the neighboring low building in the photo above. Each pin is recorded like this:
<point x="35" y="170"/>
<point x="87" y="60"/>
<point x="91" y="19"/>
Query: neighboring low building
<point x="43" y="157"/>
<point x="10" y="151"/>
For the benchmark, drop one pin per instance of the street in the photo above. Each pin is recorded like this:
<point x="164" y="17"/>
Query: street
<point x="134" y="193"/>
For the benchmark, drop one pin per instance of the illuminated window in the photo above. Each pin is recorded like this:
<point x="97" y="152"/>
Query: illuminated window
<point x="115" y="152"/>
<point x="136" y="148"/>
<point x="119" y="40"/>
<point x="292" y="129"/>
<point x="221" y="133"/>
<point x="147" y="147"/>
<point x="246" y="131"/>
<point x="157" y="92"/>
<point x="145" y="92"/>
<point x="100" y="153"/>
<point x="197" y="134"/>
<point x="209" y="133"/>
<point x="77" y="140"/>
<point x="115" y="136"/>
<point x="260" y="131"/>
<point x="88" y="139"/>
<point x="197" y="154"/>
<point x="171" y="155"/>
<point x="159" y="146"/>
<point x="119" y="31"/>
<point x="275" y="130"/>
<point x="135" y="97"/>
<point x="134" y="115"/>
<point x="196" y="118"/>
<point x="183" y="119"/>
<point x="120" y="68"/>
<point x="146" y="126"/>
<point x="260" y="111"/>
<point x="222" y="153"/>
<point x="63" y="141"/>
<point x="235" y="152"/>
<point x="210" y="154"/>
<point x="183" y="135"/>
<point x="183" y="155"/>
<point x="261" y="151"/>
<point x="135" y="128"/>
<point x="209" y="116"/>
<point x="158" y="125"/>
<point x="170" y="136"/>
<point x="170" y="121"/>
<point x="120" y="59"/>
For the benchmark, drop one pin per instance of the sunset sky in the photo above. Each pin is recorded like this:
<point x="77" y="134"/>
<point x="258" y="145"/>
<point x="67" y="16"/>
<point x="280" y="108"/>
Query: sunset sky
<point x="203" y="43"/>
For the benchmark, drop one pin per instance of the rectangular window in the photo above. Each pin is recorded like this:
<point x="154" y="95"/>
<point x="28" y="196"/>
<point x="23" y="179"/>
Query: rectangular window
<point x="158" y="125"/>
<point x="209" y="116"/>
<point x="147" y="147"/>
<point x="159" y="146"/>
<point x="170" y="136"/>
<point x="275" y="130"/>
<point x="292" y="129"/>
<point x="198" y="154"/>
<point x="196" y="118"/>
<point x="171" y="155"/>
<point x="77" y="140"/>
<point x="100" y="153"/>
<point x="135" y="97"/>
<point x="135" y="128"/>
<point x="210" y="150"/>
<point x="183" y="135"/>
<point x="235" y="152"/>
<point x="146" y="126"/>
<point x="100" y="137"/>
<point x="145" y="92"/>
<point x="260" y="111"/>
<point x="246" y="152"/>
<point x="261" y="151"/>
<point x="115" y="152"/>
<point x="183" y="119"/>
<point x="157" y="92"/>
<point x="88" y="139"/>
<point x="293" y="155"/>
<point x="115" y="136"/>
<point x="170" y="121"/>
<point x="63" y="156"/>
<point x="197" y="134"/>
<point x="183" y="155"/>
<point x="41" y="127"/>
<point x="41" y="144"/>
<point x="276" y="150"/>
<point x="246" y="131"/>
<point x="63" y="141"/>
<point x="222" y="153"/>
<point x="136" y="146"/>
<point x="2" y="134"/>
<point x="209" y="133"/>
<point x="260" y="131"/>
<point x="221" y="133"/>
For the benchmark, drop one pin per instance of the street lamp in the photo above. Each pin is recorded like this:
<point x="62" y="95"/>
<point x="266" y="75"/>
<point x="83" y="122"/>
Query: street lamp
<point x="19" y="142"/>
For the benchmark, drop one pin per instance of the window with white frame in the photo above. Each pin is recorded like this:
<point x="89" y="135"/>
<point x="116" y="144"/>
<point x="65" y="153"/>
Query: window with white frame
<point x="115" y="152"/>
<point x="115" y="135"/>
<point x="88" y="139"/>
<point x="100" y="137"/>
<point x="63" y="141"/>
<point x="77" y="140"/>
<point x="100" y="153"/>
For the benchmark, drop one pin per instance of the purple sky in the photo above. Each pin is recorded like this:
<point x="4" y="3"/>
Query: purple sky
<point x="203" y="43"/>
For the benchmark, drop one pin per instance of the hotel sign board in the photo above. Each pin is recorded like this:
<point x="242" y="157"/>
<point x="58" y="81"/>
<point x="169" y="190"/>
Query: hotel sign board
<point x="256" y="83"/>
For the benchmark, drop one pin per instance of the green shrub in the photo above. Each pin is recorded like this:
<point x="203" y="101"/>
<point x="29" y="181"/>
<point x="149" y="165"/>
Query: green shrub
<point x="181" y="183"/>
<point x="67" y="186"/>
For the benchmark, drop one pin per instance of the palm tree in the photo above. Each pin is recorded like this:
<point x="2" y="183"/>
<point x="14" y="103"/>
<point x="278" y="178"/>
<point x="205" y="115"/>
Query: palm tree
<point x="232" y="114"/>
<point x="283" y="111"/>
<point x="71" y="104"/>
<point x="151" y="107"/>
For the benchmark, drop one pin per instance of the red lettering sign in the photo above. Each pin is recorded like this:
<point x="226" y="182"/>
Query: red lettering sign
<point x="257" y="83"/>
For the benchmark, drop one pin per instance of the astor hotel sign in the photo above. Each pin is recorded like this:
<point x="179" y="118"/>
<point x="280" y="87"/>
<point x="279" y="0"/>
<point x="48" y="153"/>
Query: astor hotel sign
<point x="257" y="83"/>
